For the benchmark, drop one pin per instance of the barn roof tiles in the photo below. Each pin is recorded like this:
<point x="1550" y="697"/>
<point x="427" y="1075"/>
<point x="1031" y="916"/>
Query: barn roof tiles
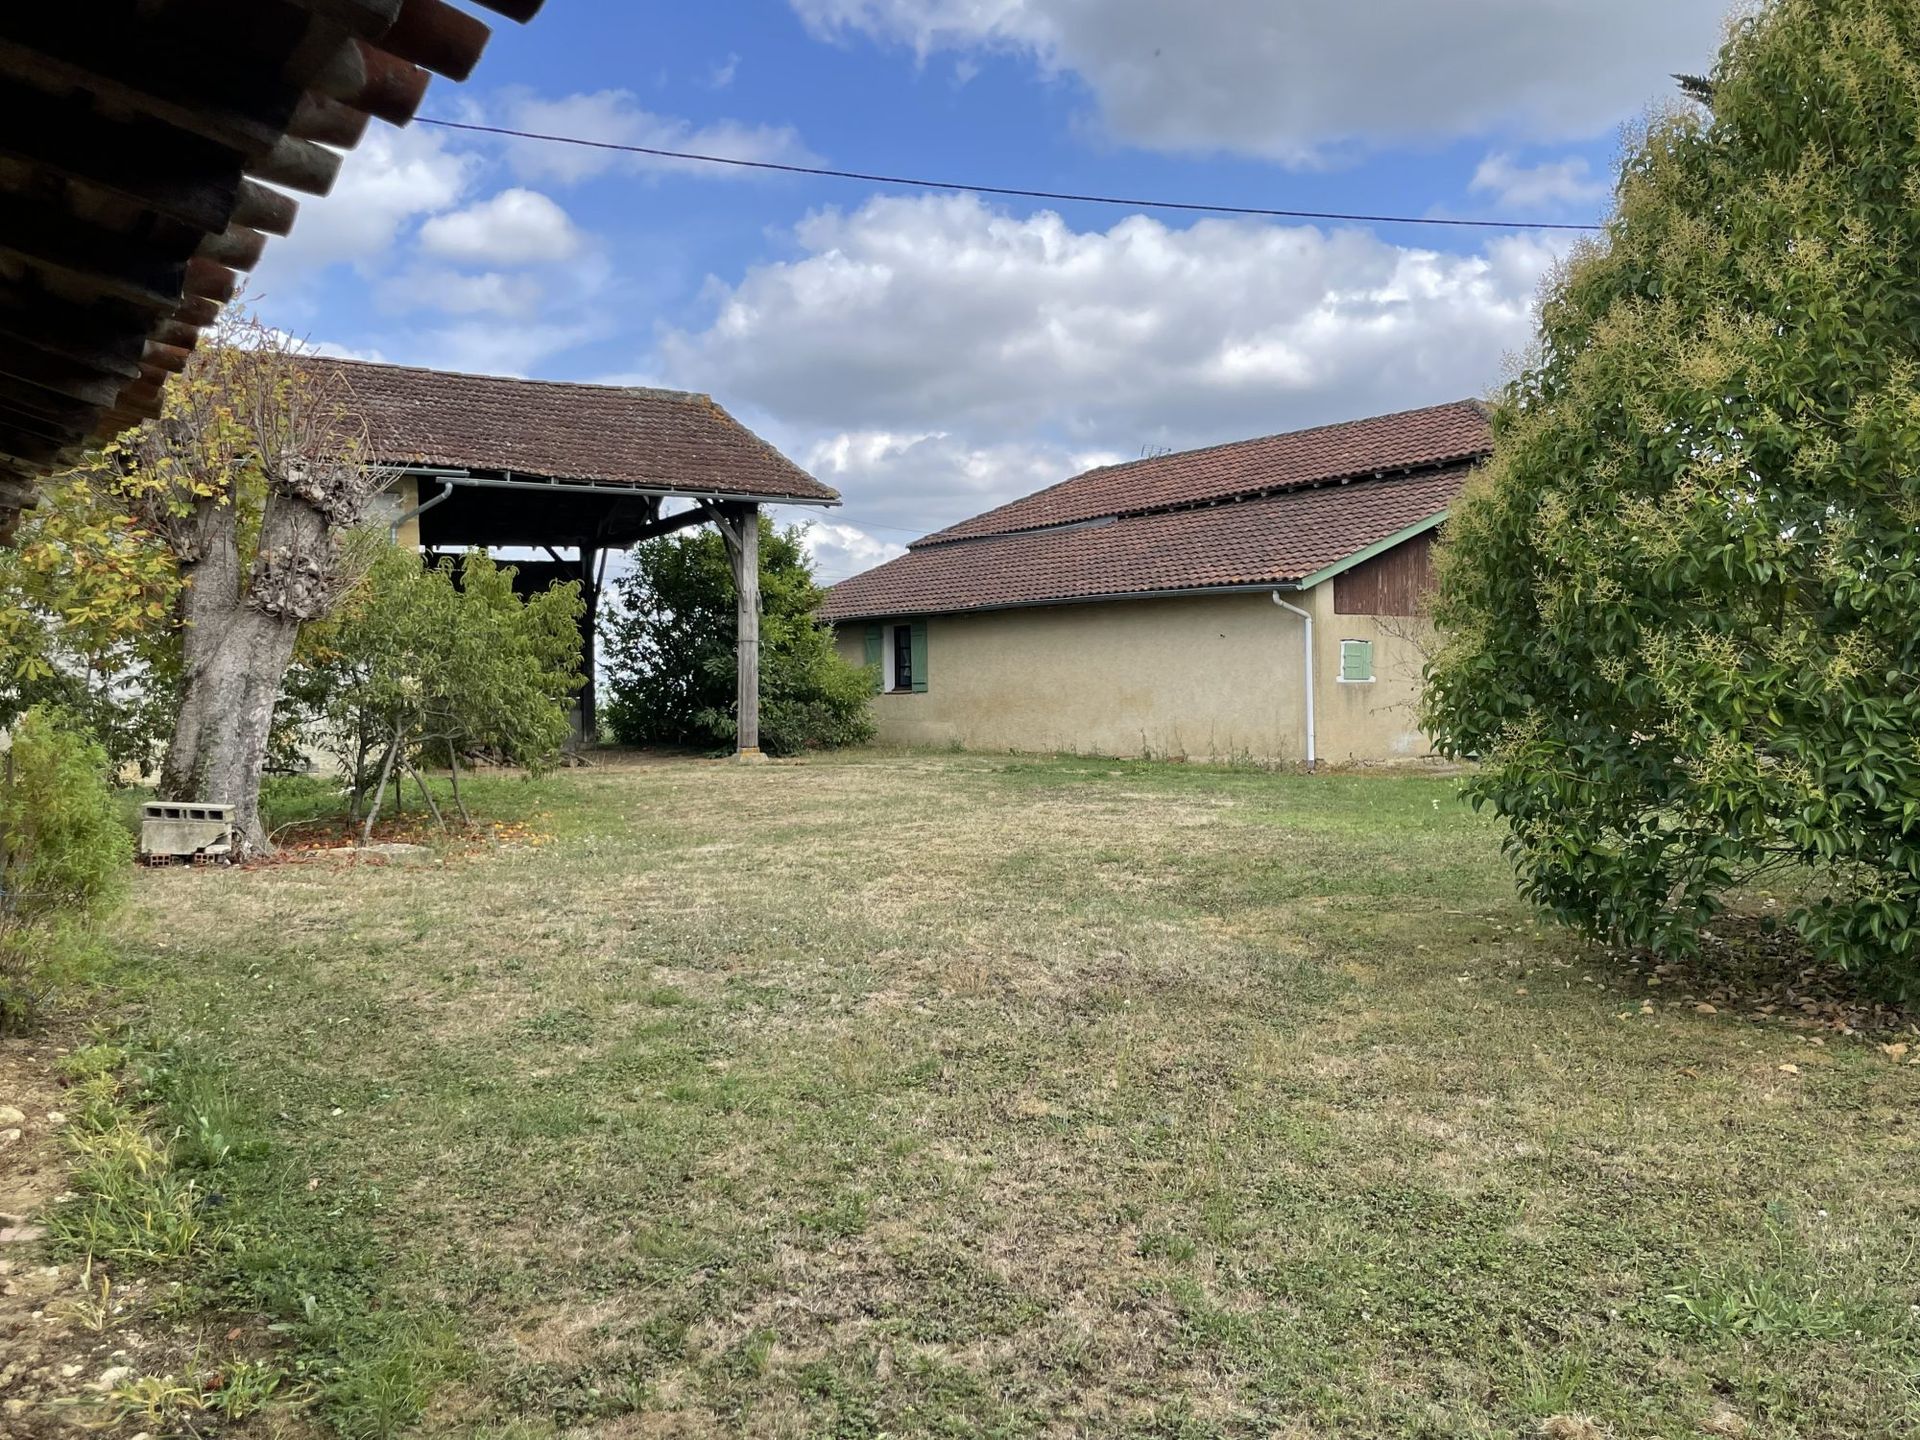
<point x="1275" y="511"/>
<point x="658" y="441"/>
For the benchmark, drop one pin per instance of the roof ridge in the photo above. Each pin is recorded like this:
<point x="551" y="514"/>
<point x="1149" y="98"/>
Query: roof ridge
<point x="1307" y="432"/>
<point x="595" y="385"/>
<point x="1356" y="480"/>
<point x="1275" y="435"/>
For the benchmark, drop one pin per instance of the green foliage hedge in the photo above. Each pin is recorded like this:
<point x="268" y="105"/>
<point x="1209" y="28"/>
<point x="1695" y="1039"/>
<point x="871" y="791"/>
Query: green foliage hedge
<point x="669" y="649"/>
<point x="1683" y="605"/>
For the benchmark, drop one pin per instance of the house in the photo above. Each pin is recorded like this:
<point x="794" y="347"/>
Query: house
<point x="1257" y="600"/>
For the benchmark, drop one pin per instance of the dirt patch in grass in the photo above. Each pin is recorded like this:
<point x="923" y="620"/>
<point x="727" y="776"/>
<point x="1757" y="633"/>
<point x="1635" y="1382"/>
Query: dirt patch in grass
<point x="1751" y="965"/>
<point x="88" y="1346"/>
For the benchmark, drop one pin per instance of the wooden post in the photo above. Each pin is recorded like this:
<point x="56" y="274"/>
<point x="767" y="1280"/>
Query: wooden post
<point x="740" y="527"/>
<point x="589" y="692"/>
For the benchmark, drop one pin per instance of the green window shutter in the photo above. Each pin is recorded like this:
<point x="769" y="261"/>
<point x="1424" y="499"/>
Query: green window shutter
<point x="1356" y="660"/>
<point x="919" y="657"/>
<point x="873" y="657"/>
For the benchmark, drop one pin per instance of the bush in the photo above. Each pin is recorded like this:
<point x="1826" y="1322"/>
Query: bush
<point x="426" y="664"/>
<point x="63" y="844"/>
<point x="669" y="645"/>
<point x="64" y="860"/>
<point x="1682" y="609"/>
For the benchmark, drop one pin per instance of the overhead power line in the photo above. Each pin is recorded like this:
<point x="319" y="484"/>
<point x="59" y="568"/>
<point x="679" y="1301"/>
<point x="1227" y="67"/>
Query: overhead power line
<point x="1189" y="206"/>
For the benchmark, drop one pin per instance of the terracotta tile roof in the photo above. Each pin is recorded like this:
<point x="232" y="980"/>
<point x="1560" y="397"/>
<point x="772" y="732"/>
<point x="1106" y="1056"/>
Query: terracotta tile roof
<point x="1275" y="540"/>
<point x="662" y="440"/>
<point x="1413" y="439"/>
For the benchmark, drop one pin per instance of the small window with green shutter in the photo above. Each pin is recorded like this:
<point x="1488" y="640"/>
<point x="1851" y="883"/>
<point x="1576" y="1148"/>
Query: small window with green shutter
<point x="898" y="655"/>
<point x="1356" y="662"/>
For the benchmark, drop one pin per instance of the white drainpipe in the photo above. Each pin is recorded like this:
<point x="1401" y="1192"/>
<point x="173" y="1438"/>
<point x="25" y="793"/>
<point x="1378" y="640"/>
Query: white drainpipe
<point x="1312" y="756"/>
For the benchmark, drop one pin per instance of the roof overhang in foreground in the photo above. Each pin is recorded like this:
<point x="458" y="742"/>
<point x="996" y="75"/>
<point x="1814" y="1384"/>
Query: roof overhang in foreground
<point x="141" y="144"/>
<point x="459" y="510"/>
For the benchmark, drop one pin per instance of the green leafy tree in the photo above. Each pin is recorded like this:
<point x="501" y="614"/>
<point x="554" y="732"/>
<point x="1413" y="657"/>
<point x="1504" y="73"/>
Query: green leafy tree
<point x="88" y="597"/>
<point x="424" y="665"/>
<point x="669" y="645"/>
<point x="1683" y="602"/>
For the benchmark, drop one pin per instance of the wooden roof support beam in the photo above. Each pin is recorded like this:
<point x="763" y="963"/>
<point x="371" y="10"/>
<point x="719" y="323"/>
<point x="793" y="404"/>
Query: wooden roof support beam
<point x="432" y="33"/>
<point x="236" y="246"/>
<point x="521" y="10"/>
<point x="383" y="85"/>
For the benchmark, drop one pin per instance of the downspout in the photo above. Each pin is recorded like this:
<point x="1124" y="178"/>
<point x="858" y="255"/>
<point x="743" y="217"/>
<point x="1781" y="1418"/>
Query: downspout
<point x="446" y="490"/>
<point x="1307" y="651"/>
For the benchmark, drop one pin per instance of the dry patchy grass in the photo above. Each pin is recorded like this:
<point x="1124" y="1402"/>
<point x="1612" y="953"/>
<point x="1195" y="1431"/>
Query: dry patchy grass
<point x="959" y="1096"/>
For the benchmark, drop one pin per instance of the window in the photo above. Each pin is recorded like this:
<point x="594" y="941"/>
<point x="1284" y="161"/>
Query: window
<point x="899" y="654"/>
<point x="1356" y="662"/>
<point x="902" y="658"/>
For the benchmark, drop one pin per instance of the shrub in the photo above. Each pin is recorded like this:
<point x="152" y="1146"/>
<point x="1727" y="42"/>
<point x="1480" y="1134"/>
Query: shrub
<point x="1683" y="605"/>
<point x="670" y="650"/>
<point x="64" y="859"/>
<point x="65" y="847"/>
<point x="425" y="664"/>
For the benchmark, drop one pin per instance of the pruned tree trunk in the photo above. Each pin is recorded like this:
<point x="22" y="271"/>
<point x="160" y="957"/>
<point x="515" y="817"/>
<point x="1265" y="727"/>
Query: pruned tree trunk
<point x="238" y="642"/>
<point x="252" y="429"/>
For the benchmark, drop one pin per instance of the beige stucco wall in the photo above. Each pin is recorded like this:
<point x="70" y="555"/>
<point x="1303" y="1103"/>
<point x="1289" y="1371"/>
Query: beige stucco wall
<point x="393" y="502"/>
<point x="1206" y="677"/>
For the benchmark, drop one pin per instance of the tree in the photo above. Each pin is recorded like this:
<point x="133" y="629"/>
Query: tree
<point x="423" y="665"/>
<point x="250" y="477"/>
<point x="669" y="646"/>
<point x="1682" y="605"/>
<point x="87" y="599"/>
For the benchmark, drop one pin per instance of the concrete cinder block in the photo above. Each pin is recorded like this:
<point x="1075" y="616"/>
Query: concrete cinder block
<point x="170" y="830"/>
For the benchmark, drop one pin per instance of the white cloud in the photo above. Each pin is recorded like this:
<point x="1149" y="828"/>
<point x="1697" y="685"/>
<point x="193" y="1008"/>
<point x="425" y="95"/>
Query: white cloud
<point x="1550" y="185"/>
<point x="722" y="75"/>
<point x="911" y="484"/>
<point x="1298" y="82"/>
<point x="393" y="177"/>
<point x="349" y="352"/>
<point x="485" y="347"/>
<point x="515" y="227"/>
<point x="616" y="117"/>
<point x="840" y="550"/>
<point x="457" y="292"/>
<point x="941" y="315"/>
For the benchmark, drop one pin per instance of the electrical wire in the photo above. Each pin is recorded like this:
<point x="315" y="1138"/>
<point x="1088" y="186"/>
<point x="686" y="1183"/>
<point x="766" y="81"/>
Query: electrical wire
<point x="1188" y="206"/>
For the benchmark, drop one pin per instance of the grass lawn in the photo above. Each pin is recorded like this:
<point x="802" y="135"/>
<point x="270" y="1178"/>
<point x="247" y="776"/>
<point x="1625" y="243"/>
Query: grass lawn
<point x="909" y="1095"/>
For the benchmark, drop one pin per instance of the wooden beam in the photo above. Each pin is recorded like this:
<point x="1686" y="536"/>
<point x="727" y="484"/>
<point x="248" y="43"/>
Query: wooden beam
<point x="589" y="692"/>
<point x="739" y="526"/>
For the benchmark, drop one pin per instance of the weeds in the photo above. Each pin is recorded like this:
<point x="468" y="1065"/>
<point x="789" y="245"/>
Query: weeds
<point x="1756" y="1303"/>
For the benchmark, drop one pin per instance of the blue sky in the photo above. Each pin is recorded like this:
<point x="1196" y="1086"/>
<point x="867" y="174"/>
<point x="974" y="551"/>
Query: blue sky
<point x="932" y="355"/>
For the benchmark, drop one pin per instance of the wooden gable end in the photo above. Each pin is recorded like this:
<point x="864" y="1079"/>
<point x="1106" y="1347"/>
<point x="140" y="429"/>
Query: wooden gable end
<point x="1396" y="582"/>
